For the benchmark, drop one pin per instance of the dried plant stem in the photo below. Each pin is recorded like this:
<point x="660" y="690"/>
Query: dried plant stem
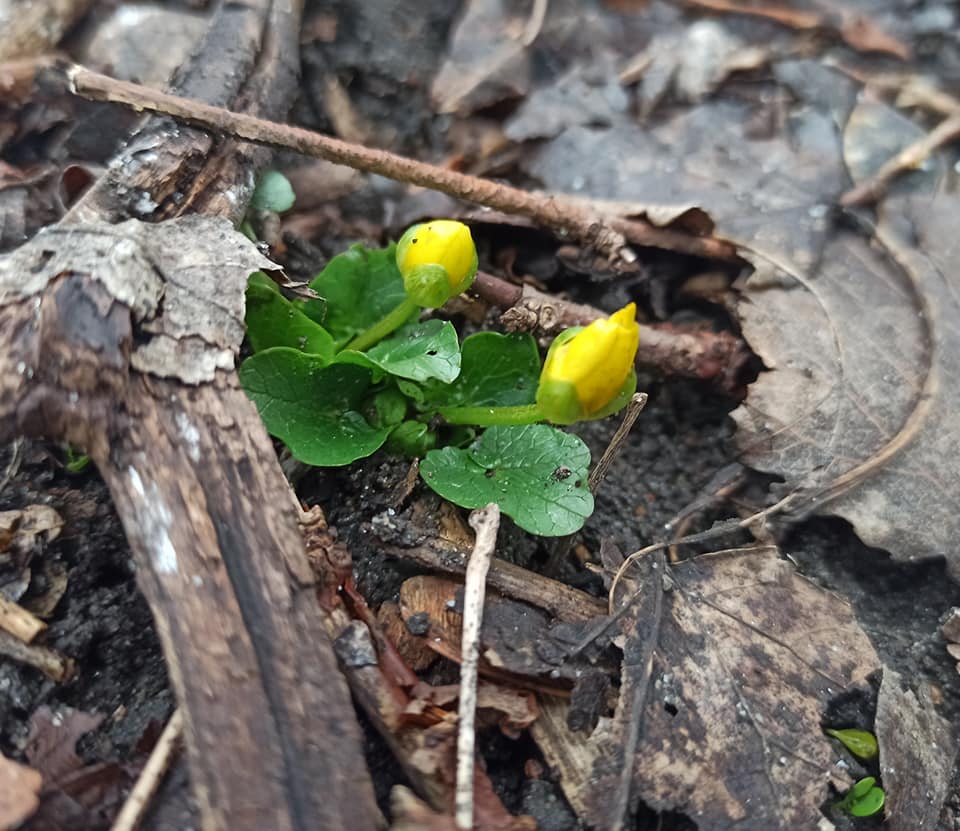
<point x="55" y="666"/>
<point x="131" y="815"/>
<point x="872" y="189"/>
<point x="19" y="622"/>
<point x="630" y="414"/>
<point x="611" y="235"/>
<point x="486" y="522"/>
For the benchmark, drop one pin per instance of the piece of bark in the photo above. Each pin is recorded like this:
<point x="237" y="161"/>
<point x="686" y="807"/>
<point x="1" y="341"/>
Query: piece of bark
<point x="144" y="385"/>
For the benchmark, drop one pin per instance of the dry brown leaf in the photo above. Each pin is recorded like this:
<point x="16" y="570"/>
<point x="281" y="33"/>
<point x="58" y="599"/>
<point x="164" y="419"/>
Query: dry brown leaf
<point x="749" y="654"/>
<point x="487" y="61"/>
<point x="860" y="410"/>
<point x="19" y="790"/>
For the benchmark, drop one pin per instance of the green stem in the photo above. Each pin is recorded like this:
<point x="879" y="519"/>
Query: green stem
<point x="388" y="325"/>
<point x="492" y="416"/>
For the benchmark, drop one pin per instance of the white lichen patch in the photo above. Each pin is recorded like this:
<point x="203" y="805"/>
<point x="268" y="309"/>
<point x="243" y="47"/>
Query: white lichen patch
<point x="190" y="435"/>
<point x="155" y="522"/>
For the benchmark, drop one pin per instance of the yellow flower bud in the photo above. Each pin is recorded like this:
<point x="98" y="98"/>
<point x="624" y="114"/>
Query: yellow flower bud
<point x="437" y="260"/>
<point x="588" y="372"/>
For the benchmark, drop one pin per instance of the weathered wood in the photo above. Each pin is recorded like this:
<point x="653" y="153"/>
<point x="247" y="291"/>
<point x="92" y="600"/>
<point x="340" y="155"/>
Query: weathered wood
<point x="138" y="370"/>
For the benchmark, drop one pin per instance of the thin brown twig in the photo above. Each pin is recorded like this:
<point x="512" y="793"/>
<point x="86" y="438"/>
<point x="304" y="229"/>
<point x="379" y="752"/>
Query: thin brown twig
<point x="486" y="522"/>
<point x="135" y="807"/>
<point x="611" y="235"/>
<point x="630" y="414"/>
<point x="872" y="189"/>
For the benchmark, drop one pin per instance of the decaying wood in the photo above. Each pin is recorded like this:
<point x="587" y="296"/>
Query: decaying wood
<point x="32" y="28"/>
<point x="139" y="372"/>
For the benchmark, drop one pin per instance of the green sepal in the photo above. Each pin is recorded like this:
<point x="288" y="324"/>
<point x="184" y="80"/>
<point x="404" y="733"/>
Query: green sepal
<point x="428" y="285"/>
<point x="558" y="401"/>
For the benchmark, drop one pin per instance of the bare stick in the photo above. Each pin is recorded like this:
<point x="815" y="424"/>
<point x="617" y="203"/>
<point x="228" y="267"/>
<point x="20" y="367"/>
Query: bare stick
<point x="486" y="522"/>
<point x="872" y="189"/>
<point x="52" y="664"/>
<point x="131" y="815"/>
<point x="18" y="621"/>
<point x="634" y="408"/>
<point x="717" y="357"/>
<point x="535" y="22"/>
<point x="608" y="234"/>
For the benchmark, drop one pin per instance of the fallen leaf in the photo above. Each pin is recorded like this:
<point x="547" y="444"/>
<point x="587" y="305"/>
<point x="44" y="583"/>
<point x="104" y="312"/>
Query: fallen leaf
<point x="19" y="789"/>
<point x="52" y="741"/>
<point x="917" y="750"/>
<point x="748" y="656"/>
<point x="487" y="61"/>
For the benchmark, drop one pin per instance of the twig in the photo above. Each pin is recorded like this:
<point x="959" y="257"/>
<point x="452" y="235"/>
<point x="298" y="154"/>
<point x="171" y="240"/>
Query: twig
<point x="13" y="466"/>
<point x="486" y="522"/>
<point x="873" y="188"/>
<point x="131" y="815"/>
<point x="641" y="686"/>
<point x="630" y="414"/>
<point x="535" y="22"/>
<point x="717" y="357"/>
<point x="55" y="666"/>
<point x="610" y="235"/>
<point x="559" y="599"/>
<point x="18" y="621"/>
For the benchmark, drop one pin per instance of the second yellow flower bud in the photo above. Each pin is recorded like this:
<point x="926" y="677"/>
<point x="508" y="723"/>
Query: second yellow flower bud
<point x="437" y="260"/>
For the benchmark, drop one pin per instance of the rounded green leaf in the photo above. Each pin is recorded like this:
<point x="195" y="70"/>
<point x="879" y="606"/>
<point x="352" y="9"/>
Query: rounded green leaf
<point x="361" y="287"/>
<point x="272" y="320"/>
<point x="868" y="804"/>
<point x="418" y="352"/>
<point x="273" y="193"/>
<point x="860" y="743"/>
<point x="495" y="371"/>
<point x="537" y="474"/>
<point x="312" y="407"/>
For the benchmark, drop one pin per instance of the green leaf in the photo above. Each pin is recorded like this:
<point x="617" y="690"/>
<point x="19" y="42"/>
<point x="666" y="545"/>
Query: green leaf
<point x="419" y="352"/>
<point x="273" y="193"/>
<point x="860" y="743"/>
<point x="360" y="287"/>
<point x="412" y="438"/>
<point x="861" y="788"/>
<point x="495" y="371"/>
<point x="536" y="473"/>
<point x="272" y="320"/>
<point x="312" y="407"/>
<point x="869" y="804"/>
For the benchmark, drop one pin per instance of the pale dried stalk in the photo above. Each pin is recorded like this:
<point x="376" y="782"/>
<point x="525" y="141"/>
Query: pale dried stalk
<point x="486" y="522"/>
<point x="19" y="622"/>
<point x="132" y="813"/>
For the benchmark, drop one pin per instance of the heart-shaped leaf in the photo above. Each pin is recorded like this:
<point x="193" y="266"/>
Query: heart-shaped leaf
<point x="272" y="320"/>
<point x="537" y="474"/>
<point x="312" y="407"/>
<point x="419" y="352"/>
<point x="360" y="287"/>
<point x="495" y="371"/>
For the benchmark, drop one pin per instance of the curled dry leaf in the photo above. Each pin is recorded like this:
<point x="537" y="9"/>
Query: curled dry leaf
<point x="748" y="656"/>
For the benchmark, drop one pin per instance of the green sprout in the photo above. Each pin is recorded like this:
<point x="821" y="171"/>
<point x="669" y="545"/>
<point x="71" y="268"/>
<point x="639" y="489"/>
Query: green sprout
<point x="864" y="799"/>
<point x="338" y="379"/>
<point x="860" y="743"/>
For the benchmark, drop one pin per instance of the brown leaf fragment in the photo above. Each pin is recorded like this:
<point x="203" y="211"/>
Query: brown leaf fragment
<point x="917" y="751"/>
<point x="749" y="655"/>
<point x="52" y="740"/>
<point x="19" y="790"/>
<point x="23" y="532"/>
<point x="487" y="61"/>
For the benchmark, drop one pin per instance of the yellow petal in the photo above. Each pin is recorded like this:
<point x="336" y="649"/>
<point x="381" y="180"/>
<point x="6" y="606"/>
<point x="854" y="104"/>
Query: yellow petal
<point x="598" y="359"/>
<point x="442" y="242"/>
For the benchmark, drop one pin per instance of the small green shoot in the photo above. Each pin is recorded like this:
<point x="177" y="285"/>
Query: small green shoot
<point x="864" y="799"/>
<point x="273" y="193"/>
<point x="77" y="462"/>
<point x="860" y="743"/>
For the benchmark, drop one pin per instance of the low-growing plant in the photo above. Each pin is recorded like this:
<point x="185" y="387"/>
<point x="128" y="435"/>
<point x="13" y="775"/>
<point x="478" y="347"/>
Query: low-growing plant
<point x="339" y="377"/>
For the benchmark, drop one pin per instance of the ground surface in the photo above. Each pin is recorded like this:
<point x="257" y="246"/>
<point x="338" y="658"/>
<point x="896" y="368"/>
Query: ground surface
<point x="385" y="55"/>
